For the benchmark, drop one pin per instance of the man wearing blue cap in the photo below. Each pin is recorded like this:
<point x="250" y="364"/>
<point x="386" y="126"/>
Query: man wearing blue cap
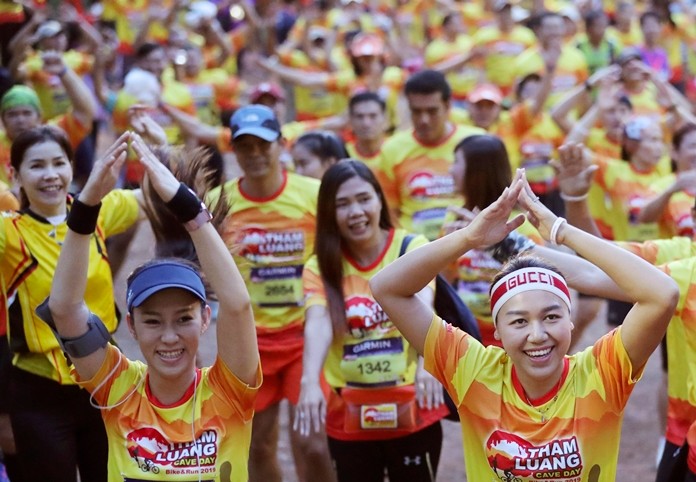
<point x="270" y="230"/>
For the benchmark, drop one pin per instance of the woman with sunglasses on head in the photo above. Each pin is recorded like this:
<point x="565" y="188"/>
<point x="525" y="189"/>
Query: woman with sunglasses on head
<point x="383" y="410"/>
<point x="166" y="416"/>
<point x="528" y="408"/>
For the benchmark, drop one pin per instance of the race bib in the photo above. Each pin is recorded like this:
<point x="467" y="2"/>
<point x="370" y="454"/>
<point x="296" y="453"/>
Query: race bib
<point x="276" y="286"/>
<point x="374" y="362"/>
<point x="429" y="222"/>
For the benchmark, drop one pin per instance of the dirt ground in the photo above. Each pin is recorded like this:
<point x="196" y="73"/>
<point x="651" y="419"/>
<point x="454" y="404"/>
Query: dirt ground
<point x="640" y="430"/>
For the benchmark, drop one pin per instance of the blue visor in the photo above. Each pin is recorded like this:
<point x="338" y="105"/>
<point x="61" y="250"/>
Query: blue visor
<point x="161" y="276"/>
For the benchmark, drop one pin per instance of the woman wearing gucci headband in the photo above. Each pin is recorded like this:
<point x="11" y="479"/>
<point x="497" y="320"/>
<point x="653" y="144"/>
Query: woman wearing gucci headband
<point x="166" y="416"/>
<point x="529" y="408"/>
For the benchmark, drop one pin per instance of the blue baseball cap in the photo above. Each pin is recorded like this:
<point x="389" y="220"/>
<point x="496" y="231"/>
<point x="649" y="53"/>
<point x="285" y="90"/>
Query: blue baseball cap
<point x="255" y="120"/>
<point x="160" y="276"/>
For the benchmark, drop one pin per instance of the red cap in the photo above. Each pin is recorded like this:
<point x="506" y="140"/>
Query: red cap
<point x="488" y="92"/>
<point x="266" y="88"/>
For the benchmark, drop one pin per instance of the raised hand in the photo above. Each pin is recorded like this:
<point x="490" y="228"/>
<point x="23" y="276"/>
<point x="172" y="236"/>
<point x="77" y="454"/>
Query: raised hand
<point x="539" y="215"/>
<point x="105" y="172"/>
<point x="463" y="218"/>
<point x="53" y="62"/>
<point x="145" y="126"/>
<point x="574" y="170"/>
<point x="493" y="223"/>
<point x="163" y="181"/>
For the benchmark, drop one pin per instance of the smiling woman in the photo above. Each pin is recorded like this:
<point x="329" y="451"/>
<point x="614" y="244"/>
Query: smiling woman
<point x="51" y="416"/>
<point x="527" y="408"/>
<point x="383" y="409"/>
<point x="166" y="416"/>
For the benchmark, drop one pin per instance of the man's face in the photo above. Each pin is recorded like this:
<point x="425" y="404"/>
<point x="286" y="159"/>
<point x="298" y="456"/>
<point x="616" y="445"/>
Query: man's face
<point x="155" y="62"/>
<point x="19" y="119"/>
<point x="258" y="158"/>
<point x="551" y="31"/>
<point x="367" y="120"/>
<point x="484" y="113"/>
<point x="429" y="113"/>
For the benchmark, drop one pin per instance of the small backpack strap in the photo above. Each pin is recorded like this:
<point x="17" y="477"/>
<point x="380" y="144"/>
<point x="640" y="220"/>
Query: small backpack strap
<point x="404" y="244"/>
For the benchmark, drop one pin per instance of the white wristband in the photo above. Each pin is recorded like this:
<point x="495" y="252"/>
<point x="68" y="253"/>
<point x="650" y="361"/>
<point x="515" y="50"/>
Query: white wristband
<point x="553" y="236"/>
<point x="569" y="198"/>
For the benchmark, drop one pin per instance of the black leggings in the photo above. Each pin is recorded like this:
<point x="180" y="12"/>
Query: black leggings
<point x="56" y="431"/>
<point x="413" y="458"/>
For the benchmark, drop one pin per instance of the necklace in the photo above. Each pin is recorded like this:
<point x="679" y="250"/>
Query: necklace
<point x="542" y="413"/>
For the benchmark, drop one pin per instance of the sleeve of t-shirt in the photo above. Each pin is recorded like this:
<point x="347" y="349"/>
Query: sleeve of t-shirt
<point x="315" y="294"/>
<point x="225" y="383"/>
<point x="445" y="351"/>
<point x="610" y="361"/>
<point x="119" y="211"/>
<point x="114" y="378"/>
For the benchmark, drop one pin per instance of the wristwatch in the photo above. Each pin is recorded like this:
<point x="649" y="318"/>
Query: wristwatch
<point x="201" y="218"/>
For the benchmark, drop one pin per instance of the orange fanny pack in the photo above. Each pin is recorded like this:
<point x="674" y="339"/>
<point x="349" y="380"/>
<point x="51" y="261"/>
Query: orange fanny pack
<point x="390" y="409"/>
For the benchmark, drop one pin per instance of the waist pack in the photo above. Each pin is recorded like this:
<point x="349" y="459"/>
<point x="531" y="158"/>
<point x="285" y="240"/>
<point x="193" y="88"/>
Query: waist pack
<point x="450" y="307"/>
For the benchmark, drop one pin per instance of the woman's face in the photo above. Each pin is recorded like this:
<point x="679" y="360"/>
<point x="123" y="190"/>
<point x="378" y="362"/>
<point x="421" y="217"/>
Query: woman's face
<point x="535" y="330"/>
<point x="458" y="170"/>
<point x="685" y="156"/>
<point x="168" y="327"/>
<point x="45" y="175"/>
<point x="358" y="209"/>
<point x="307" y="163"/>
<point x="650" y="148"/>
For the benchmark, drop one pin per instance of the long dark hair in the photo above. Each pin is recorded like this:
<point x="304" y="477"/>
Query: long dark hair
<point x="192" y="167"/>
<point x="328" y="236"/>
<point x="487" y="171"/>
<point x="30" y="138"/>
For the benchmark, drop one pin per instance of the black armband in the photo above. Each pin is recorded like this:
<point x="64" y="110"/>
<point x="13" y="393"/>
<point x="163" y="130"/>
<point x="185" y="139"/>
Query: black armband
<point x="185" y="205"/>
<point x="83" y="218"/>
<point x="513" y="244"/>
<point x="96" y="337"/>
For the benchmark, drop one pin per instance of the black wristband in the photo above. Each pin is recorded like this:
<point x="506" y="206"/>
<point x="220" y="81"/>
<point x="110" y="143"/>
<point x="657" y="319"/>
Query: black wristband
<point x="185" y="205"/>
<point x="83" y="218"/>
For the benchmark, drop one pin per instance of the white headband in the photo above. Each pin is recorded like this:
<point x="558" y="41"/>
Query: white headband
<point x="527" y="279"/>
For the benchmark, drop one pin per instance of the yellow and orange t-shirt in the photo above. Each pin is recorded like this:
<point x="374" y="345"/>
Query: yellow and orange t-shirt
<point x="676" y="220"/>
<point x="420" y="184"/>
<point x="53" y="97"/>
<point x="207" y="432"/>
<point x="271" y="238"/>
<point x="681" y="354"/>
<point x="130" y="17"/>
<point x="502" y="48"/>
<point x="571" y="70"/>
<point x="29" y="249"/>
<point x="573" y="433"/>
<point x="370" y="358"/>
<point x="629" y="190"/>
<point x="465" y="78"/>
